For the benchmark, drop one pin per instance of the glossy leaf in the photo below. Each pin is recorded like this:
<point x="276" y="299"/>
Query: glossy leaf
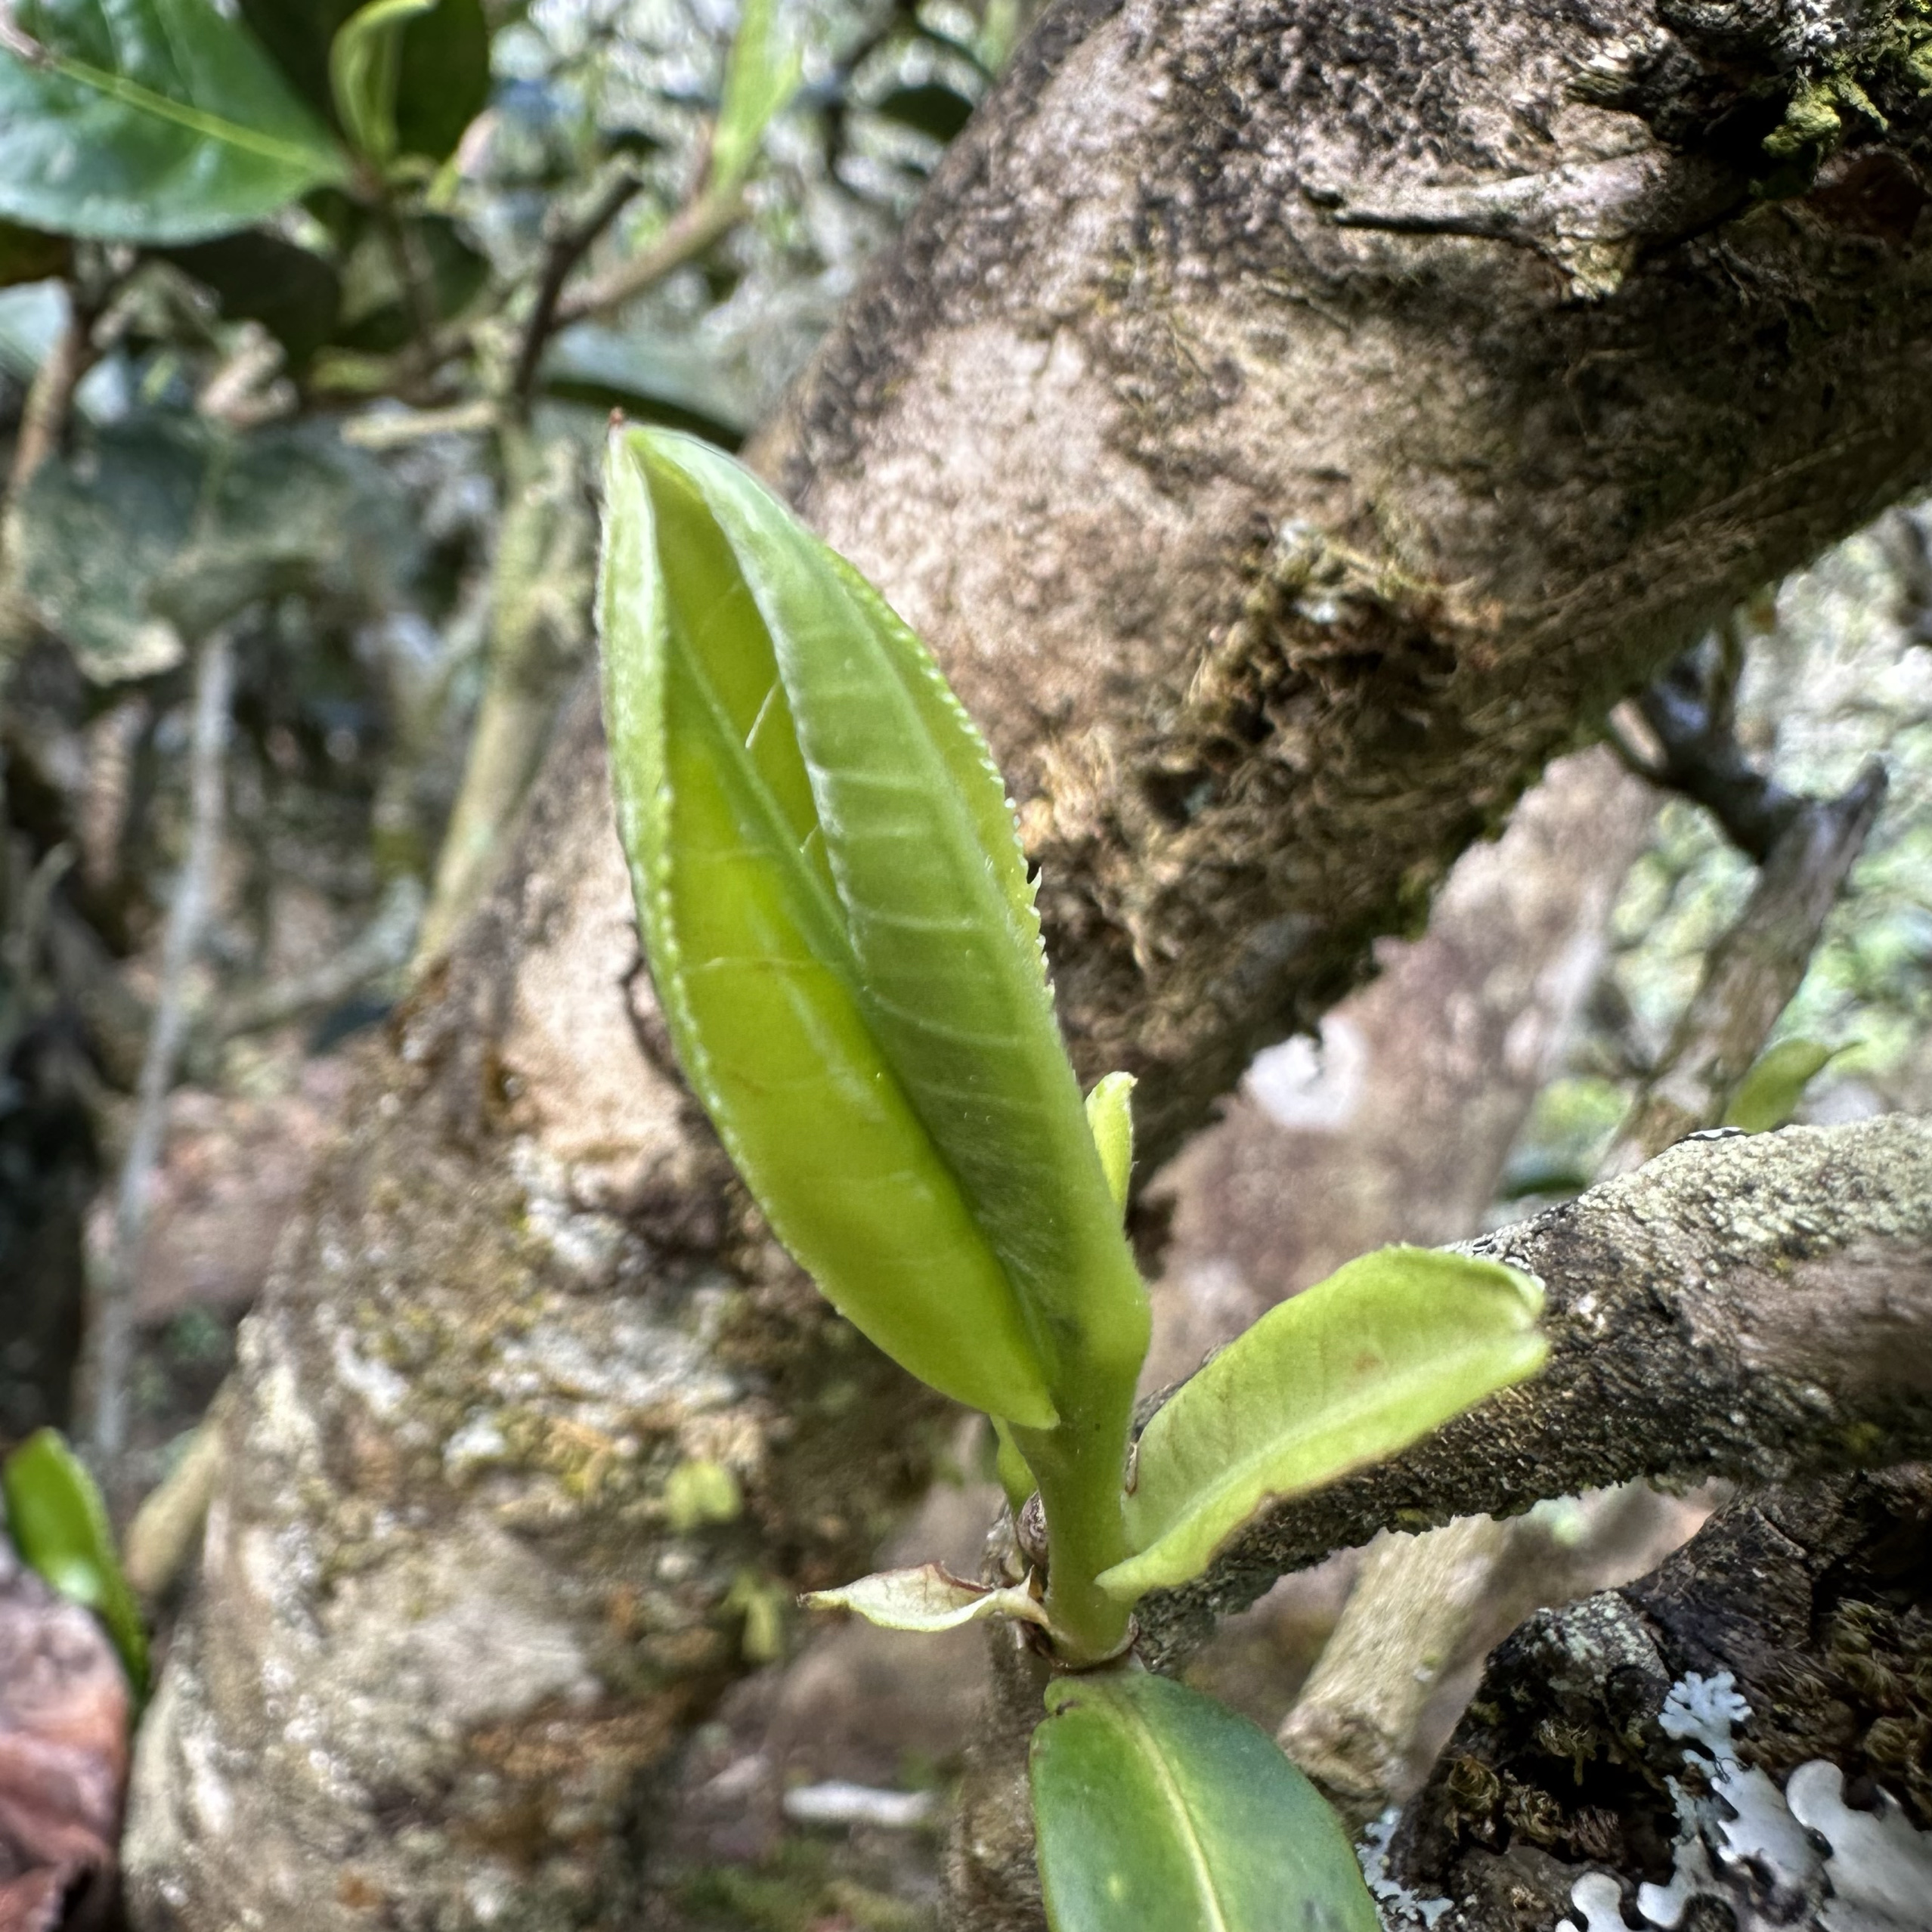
<point x="293" y="292"/>
<point x="1769" y="1094"/>
<point x="929" y="1598"/>
<point x="148" y="121"/>
<point x="365" y="61"/>
<point x="1110" y="1113"/>
<point x="1154" y="1807"/>
<point x="58" y="1523"/>
<point x="761" y="76"/>
<point x="1346" y="1373"/>
<point x="842" y="932"/>
<point x="151" y="532"/>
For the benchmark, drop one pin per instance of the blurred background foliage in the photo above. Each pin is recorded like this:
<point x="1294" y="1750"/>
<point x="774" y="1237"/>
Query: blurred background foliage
<point x="336" y="410"/>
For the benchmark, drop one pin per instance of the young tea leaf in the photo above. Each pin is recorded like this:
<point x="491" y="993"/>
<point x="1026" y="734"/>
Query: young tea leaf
<point x="1346" y="1373"/>
<point x="928" y="1598"/>
<point x="365" y="61"/>
<point x="760" y="76"/>
<point x="59" y="1524"/>
<point x="1768" y="1095"/>
<point x="148" y="121"/>
<point x="842" y="935"/>
<point x="1156" y="1807"/>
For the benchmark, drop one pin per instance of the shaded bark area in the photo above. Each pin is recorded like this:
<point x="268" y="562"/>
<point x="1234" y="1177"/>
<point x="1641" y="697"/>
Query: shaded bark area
<point x="1816" y="1598"/>
<point x="1277" y="536"/>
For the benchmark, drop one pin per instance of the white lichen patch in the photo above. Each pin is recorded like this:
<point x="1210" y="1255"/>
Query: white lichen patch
<point x="1775" y="1859"/>
<point x="1400" y="1909"/>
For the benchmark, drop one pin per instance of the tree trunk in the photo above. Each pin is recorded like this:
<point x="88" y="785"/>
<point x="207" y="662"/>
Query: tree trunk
<point x="1290" y="425"/>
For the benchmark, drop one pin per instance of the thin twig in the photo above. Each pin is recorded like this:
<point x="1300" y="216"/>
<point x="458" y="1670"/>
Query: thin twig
<point x="568" y="248"/>
<point x="383" y="946"/>
<point x="688" y="233"/>
<point x="44" y="418"/>
<point x="113" y="1324"/>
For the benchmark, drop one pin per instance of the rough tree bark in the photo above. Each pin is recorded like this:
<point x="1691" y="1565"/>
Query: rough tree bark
<point x="1290" y="423"/>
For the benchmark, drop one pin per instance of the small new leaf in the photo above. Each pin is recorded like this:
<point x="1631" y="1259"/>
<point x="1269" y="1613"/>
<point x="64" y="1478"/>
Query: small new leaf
<point x="929" y="1598"/>
<point x="59" y="1524"/>
<point x="1768" y="1095"/>
<point x="761" y="76"/>
<point x="1348" y="1372"/>
<point x="365" y="62"/>
<point x="1156" y="1807"/>
<point x="156" y="121"/>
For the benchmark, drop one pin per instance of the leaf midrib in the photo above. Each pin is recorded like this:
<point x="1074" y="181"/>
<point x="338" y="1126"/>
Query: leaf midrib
<point x="181" y="114"/>
<point x="1170" y="1790"/>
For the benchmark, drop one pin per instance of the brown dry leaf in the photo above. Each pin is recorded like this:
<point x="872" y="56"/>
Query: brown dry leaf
<point x="64" y="1758"/>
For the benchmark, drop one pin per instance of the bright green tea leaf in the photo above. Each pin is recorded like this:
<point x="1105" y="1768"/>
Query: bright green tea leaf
<point x="1768" y="1095"/>
<point x="1110" y="1115"/>
<point x="1346" y="1373"/>
<point x="929" y="1598"/>
<point x="365" y="61"/>
<point x="59" y="1524"/>
<point x="1156" y="1807"/>
<point x="148" y="121"/>
<point x="760" y="76"/>
<point x="843" y="936"/>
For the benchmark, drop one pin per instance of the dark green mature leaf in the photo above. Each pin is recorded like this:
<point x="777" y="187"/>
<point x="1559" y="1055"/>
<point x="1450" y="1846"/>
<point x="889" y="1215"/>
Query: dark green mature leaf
<point x="30" y="255"/>
<point x="376" y="315"/>
<point x="1346" y="1373"/>
<point x="294" y="293"/>
<point x="1156" y="1807"/>
<point x="1768" y="1095"/>
<point x="148" y="121"/>
<point x="162" y="527"/>
<point x="652" y="376"/>
<point x="843" y="935"/>
<point x="59" y="1524"/>
<point x="442" y="78"/>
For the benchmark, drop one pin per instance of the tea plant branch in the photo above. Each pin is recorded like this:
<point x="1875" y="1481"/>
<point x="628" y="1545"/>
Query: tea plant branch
<point x="1753" y="1306"/>
<point x="1353" y="1728"/>
<point x="694" y="227"/>
<point x="112" y="1317"/>
<point x="1753" y="972"/>
<point x="568" y="245"/>
<point x="382" y="945"/>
